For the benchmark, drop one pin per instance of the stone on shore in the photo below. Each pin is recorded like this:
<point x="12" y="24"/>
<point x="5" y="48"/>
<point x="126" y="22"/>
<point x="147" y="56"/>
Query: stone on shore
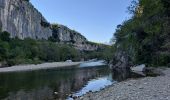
<point x="139" y="68"/>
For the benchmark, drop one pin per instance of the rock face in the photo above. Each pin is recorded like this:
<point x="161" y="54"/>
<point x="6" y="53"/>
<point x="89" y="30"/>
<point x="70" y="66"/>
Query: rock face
<point x="121" y="61"/>
<point x="120" y="65"/>
<point x="21" y="19"/>
<point x="63" y="34"/>
<point x="86" y="46"/>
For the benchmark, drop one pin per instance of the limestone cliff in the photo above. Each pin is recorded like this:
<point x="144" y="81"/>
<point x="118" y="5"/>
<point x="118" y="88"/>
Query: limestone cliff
<point x="22" y="20"/>
<point x="63" y="34"/>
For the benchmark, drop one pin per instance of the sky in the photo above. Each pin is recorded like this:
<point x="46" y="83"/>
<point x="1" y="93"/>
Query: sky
<point x="95" y="19"/>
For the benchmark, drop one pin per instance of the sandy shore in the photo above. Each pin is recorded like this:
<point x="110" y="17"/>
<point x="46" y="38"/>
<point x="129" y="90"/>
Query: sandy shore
<point x="148" y="88"/>
<point x="38" y="66"/>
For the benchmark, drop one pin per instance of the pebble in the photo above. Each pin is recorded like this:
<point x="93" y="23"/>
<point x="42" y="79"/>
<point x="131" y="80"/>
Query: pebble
<point x="70" y="95"/>
<point x="145" y="83"/>
<point x="148" y="88"/>
<point x="129" y="84"/>
<point x="140" y="87"/>
<point x="55" y="93"/>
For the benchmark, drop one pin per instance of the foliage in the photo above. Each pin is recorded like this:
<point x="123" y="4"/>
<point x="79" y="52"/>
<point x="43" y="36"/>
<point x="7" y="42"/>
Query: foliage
<point x="146" y="35"/>
<point x="54" y="37"/>
<point x="16" y="51"/>
<point x="106" y="53"/>
<point x="5" y="36"/>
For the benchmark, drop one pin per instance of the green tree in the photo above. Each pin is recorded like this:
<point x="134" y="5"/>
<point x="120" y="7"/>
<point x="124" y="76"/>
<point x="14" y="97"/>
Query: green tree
<point x="4" y="36"/>
<point x="145" y="36"/>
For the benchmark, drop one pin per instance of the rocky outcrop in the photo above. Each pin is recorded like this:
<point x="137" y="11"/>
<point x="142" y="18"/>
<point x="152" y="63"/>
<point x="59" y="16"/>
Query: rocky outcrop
<point x="120" y="60"/>
<point x="120" y="65"/>
<point x="87" y="47"/>
<point x="63" y="34"/>
<point x="22" y="20"/>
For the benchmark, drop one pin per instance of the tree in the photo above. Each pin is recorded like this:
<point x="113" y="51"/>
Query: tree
<point x="5" y="36"/>
<point x="145" y="36"/>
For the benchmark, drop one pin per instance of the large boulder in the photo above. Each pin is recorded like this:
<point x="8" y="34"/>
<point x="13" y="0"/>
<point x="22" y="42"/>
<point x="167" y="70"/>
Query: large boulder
<point x="120" y="66"/>
<point x="120" y="60"/>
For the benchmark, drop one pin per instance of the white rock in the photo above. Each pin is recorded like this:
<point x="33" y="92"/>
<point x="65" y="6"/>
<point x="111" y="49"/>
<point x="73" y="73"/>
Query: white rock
<point x="139" y="68"/>
<point x="55" y="92"/>
<point x="145" y="83"/>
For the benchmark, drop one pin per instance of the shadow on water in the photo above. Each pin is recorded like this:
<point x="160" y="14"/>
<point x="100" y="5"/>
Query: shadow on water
<point x="57" y="83"/>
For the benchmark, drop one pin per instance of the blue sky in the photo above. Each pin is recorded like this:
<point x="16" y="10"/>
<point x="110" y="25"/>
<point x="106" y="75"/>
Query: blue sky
<point x="95" y="19"/>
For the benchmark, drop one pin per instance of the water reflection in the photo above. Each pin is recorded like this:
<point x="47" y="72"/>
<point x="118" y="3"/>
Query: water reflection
<point x="94" y="85"/>
<point x="121" y="74"/>
<point x="47" y="84"/>
<point x="92" y="63"/>
<point x="57" y="84"/>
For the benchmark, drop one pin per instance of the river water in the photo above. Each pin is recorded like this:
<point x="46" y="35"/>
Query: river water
<point x="57" y="84"/>
<point x="54" y="83"/>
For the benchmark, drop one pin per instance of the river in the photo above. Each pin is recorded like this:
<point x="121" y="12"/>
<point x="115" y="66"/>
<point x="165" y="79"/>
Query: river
<point x="56" y="84"/>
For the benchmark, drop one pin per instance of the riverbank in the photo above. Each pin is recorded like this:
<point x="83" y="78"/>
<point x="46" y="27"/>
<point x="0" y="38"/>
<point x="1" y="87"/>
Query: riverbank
<point x="38" y="66"/>
<point x="148" y="88"/>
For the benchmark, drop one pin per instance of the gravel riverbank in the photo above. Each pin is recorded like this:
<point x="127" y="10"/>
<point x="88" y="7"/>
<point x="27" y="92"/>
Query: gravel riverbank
<point x="38" y="66"/>
<point x="148" y="88"/>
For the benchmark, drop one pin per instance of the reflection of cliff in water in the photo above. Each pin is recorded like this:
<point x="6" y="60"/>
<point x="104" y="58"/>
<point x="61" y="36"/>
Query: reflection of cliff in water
<point x="120" y="74"/>
<point x="46" y="84"/>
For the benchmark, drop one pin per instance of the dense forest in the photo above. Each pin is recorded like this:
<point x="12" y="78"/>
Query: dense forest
<point x="14" y="51"/>
<point x="145" y="37"/>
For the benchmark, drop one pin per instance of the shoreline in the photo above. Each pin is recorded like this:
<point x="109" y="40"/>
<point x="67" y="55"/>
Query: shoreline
<point x="32" y="67"/>
<point x="147" y="88"/>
